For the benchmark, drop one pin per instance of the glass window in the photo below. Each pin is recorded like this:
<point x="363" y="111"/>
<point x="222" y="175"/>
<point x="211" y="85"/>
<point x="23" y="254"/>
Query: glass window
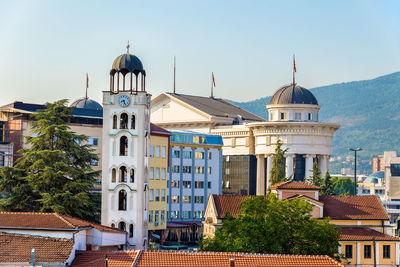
<point x="94" y="162"/>
<point x="115" y="122"/>
<point x="186" y="214"/>
<point x="157" y="195"/>
<point x="162" y="194"/>
<point x="187" y="154"/>
<point x="122" y="226"/>
<point x="130" y="230"/>
<point x="297" y="116"/>
<point x="175" y="169"/>
<point x="198" y="184"/>
<point x="176" y="153"/>
<point x="186" y="184"/>
<point x="367" y="251"/>
<point x="164" y="152"/>
<point x="175" y="183"/>
<point x="209" y="170"/>
<point x="199" y="169"/>
<point x="163" y="172"/>
<point x="157" y="151"/>
<point x="151" y="173"/>
<point x="151" y="195"/>
<point x="349" y="251"/>
<point x="386" y="251"/>
<point x="309" y="116"/>
<point x="158" y="173"/>
<point x="150" y="216"/>
<point x="123" y="173"/>
<point x="156" y="221"/>
<point x="133" y="122"/>
<point x="282" y="116"/>
<point x="198" y="199"/>
<point x="162" y="217"/>
<point x="152" y="151"/>
<point x="93" y="141"/>
<point x="113" y="175"/>
<point x="122" y="200"/>
<point x="209" y="155"/>
<point x="123" y="146"/>
<point x="209" y="185"/>
<point x="199" y="155"/>
<point x="187" y="169"/>
<point x="132" y="175"/>
<point x="174" y="199"/>
<point x="198" y="214"/>
<point x="123" y="122"/>
<point x="186" y="199"/>
<point x="174" y="214"/>
<point x="395" y="169"/>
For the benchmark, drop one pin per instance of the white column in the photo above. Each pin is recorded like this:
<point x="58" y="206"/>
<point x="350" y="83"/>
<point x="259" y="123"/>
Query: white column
<point x="397" y="253"/>
<point x="309" y="165"/>
<point x="323" y="165"/>
<point x="358" y="253"/>
<point x="289" y="165"/>
<point x="260" y="183"/>
<point x="377" y="253"/>
<point x="269" y="168"/>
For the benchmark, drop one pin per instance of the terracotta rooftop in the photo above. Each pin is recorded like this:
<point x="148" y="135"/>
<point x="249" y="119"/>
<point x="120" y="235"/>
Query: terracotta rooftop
<point x="227" y="203"/>
<point x="190" y="258"/>
<point x="38" y="220"/>
<point x="295" y="185"/>
<point x="154" y="129"/>
<point x="364" y="234"/>
<point x="18" y="248"/>
<point x="353" y="208"/>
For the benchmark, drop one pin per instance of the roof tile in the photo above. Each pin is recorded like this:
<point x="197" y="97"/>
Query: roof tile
<point x="295" y="185"/>
<point x="364" y="234"/>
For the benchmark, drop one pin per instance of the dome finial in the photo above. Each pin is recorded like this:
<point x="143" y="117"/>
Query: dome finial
<point x="294" y="70"/>
<point x="127" y="47"/>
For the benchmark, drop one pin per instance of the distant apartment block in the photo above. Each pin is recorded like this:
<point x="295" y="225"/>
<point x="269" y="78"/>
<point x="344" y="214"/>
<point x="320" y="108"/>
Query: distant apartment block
<point x="378" y="164"/>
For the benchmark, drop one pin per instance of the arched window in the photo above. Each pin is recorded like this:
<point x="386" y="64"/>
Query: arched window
<point x="123" y="146"/>
<point x="113" y="225"/>
<point x="132" y="174"/>
<point x="115" y="122"/>
<point x="123" y="174"/>
<point x="133" y="119"/>
<point x="131" y="230"/>
<point x="123" y="122"/>
<point x="122" y="226"/>
<point x="113" y="175"/>
<point x="122" y="201"/>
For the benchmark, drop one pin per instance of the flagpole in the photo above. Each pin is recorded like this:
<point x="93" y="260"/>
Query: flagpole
<point x="87" y="84"/>
<point x="294" y="70"/>
<point x="212" y="91"/>
<point x="174" y="72"/>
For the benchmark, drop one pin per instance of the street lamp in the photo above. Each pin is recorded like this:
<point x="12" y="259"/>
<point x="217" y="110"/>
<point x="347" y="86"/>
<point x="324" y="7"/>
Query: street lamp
<point x="355" y="167"/>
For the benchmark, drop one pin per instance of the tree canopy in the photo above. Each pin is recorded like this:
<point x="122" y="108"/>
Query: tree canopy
<point x="315" y="179"/>
<point x="270" y="225"/>
<point x="54" y="173"/>
<point x="278" y="164"/>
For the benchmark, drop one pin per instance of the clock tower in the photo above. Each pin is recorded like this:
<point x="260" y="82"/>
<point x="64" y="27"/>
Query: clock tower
<point x="126" y="133"/>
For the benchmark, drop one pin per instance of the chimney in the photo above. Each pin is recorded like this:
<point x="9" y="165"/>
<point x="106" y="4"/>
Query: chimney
<point x="232" y="262"/>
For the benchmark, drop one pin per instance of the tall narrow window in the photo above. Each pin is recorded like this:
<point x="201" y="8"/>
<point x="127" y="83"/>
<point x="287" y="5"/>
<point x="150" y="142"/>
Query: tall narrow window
<point x="122" y="174"/>
<point x="386" y="251"/>
<point x="115" y="122"/>
<point x="349" y="251"/>
<point x="132" y="175"/>
<point x="113" y="175"/>
<point x="367" y="251"/>
<point x="122" y="226"/>
<point x="133" y="121"/>
<point x="122" y="200"/>
<point x="123" y="146"/>
<point x="130" y="230"/>
<point x="123" y="122"/>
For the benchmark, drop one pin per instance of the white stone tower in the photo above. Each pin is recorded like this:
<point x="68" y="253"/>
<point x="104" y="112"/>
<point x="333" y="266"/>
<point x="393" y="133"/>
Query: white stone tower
<point x="126" y="132"/>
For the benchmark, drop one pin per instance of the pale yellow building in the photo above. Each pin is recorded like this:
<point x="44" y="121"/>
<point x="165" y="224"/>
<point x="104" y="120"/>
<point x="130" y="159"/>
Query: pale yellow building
<point x="159" y="159"/>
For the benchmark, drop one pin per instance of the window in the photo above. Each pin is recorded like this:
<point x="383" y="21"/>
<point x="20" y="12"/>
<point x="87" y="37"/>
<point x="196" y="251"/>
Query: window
<point x="164" y="152"/>
<point x="198" y="199"/>
<point x="122" y="226"/>
<point x="227" y="171"/>
<point x="175" y="184"/>
<point x="93" y="141"/>
<point x="158" y="173"/>
<point x="367" y="251"/>
<point x="162" y="194"/>
<point x="156" y="221"/>
<point x="133" y="122"/>
<point x="157" y="151"/>
<point x="209" y="170"/>
<point x="198" y="184"/>
<point x="309" y="116"/>
<point x="132" y="176"/>
<point x="162" y="217"/>
<point x="175" y="169"/>
<point x="365" y="191"/>
<point x="187" y="154"/>
<point x="199" y="169"/>
<point x="174" y="214"/>
<point x="176" y="154"/>
<point x="151" y="196"/>
<point x="174" y="199"/>
<point x="113" y="225"/>
<point x="94" y="162"/>
<point x="150" y="216"/>
<point x="123" y="174"/>
<point x="395" y="169"/>
<point x="113" y="175"/>
<point x="123" y="122"/>
<point x="199" y="155"/>
<point x="123" y="146"/>
<point x="152" y="151"/>
<point x="186" y="199"/>
<point x="187" y="169"/>
<point x="186" y="214"/>
<point x="198" y="214"/>
<point x="282" y="116"/>
<point x="209" y="185"/>
<point x="157" y="195"/>
<point x="186" y="184"/>
<point x="386" y="251"/>
<point x="199" y="139"/>
<point x="130" y="230"/>
<point x="297" y="116"/>
<point x="122" y="200"/>
<point x="163" y="172"/>
<point x="349" y="251"/>
<point x="151" y="173"/>
<point x="210" y="155"/>
<point x="115" y="122"/>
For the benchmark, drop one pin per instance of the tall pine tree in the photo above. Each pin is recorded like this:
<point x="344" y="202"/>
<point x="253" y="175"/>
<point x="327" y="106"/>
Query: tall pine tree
<point x="327" y="186"/>
<point x="278" y="164"/>
<point x="54" y="172"/>
<point x="315" y="179"/>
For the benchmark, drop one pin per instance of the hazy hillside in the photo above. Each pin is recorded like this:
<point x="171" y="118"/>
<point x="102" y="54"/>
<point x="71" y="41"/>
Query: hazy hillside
<point x="368" y="112"/>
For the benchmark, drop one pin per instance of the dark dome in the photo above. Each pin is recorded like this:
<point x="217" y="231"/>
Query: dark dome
<point x="87" y="104"/>
<point x="127" y="63"/>
<point x="293" y="94"/>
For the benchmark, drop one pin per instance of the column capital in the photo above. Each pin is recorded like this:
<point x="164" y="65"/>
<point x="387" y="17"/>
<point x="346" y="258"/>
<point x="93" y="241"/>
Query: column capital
<point x="289" y="155"/>
<point x="261" y="155"/>
<point x="309" y="156"/>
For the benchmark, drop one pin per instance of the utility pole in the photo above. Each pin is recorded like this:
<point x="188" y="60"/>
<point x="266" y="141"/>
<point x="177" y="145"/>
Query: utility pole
<point x="355" y="167"/>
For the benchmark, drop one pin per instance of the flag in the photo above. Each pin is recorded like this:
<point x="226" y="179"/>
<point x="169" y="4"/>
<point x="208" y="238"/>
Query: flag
<point x="294" y="64"/>
<point x="87" y="80"/>
<point x="213" y="79"/>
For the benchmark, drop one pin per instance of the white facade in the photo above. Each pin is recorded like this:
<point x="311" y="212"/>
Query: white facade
<point x="126" y="131"/>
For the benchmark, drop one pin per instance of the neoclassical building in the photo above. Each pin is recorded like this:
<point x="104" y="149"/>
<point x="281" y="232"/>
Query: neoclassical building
<point x="250" y="141"/>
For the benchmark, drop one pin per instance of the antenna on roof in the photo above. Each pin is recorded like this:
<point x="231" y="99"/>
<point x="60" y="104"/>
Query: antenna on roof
<point x="174" y="72"/>
<point x="127" y="47"/>
<point x="87" y="84"/>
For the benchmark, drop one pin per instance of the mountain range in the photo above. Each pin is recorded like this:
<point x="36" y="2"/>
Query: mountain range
<point x="368" y="112"/>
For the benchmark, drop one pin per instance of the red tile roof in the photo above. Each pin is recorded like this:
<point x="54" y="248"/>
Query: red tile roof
<point x="38" y="220"/>
<point x="364" y="234"/>
<point x="295" y="185"/>
<point x="191" y="258"/>
<point x="154" y="129"/>
<point x="17" y="248"/>
<point x="228" y="203"/>
<point x="353" y="208"/>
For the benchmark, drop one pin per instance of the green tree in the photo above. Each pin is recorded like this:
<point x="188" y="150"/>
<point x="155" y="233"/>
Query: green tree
<point x="278" y="164"/>
<point x="342" y="186"/>
<point x="315" y="179"/>
<point x="327" y="186"/>
<point x="54" y="173"/>
<point x="269" y="225"/>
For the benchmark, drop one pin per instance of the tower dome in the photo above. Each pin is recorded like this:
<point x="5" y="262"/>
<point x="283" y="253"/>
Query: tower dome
<point x="293" y="94"/>
<point x="126" y="63"/>
<point x="87" y="104"/>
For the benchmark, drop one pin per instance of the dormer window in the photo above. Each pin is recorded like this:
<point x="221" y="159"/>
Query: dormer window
<point x="282" y="116"/>
<point x="310" y="116"/>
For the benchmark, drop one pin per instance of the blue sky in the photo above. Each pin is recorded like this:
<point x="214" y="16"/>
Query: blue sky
<point x="46" y="47"/>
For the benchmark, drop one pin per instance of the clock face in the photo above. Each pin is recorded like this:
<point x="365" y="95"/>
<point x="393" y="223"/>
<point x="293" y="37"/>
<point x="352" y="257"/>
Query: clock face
<point x="123" y="100"/>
